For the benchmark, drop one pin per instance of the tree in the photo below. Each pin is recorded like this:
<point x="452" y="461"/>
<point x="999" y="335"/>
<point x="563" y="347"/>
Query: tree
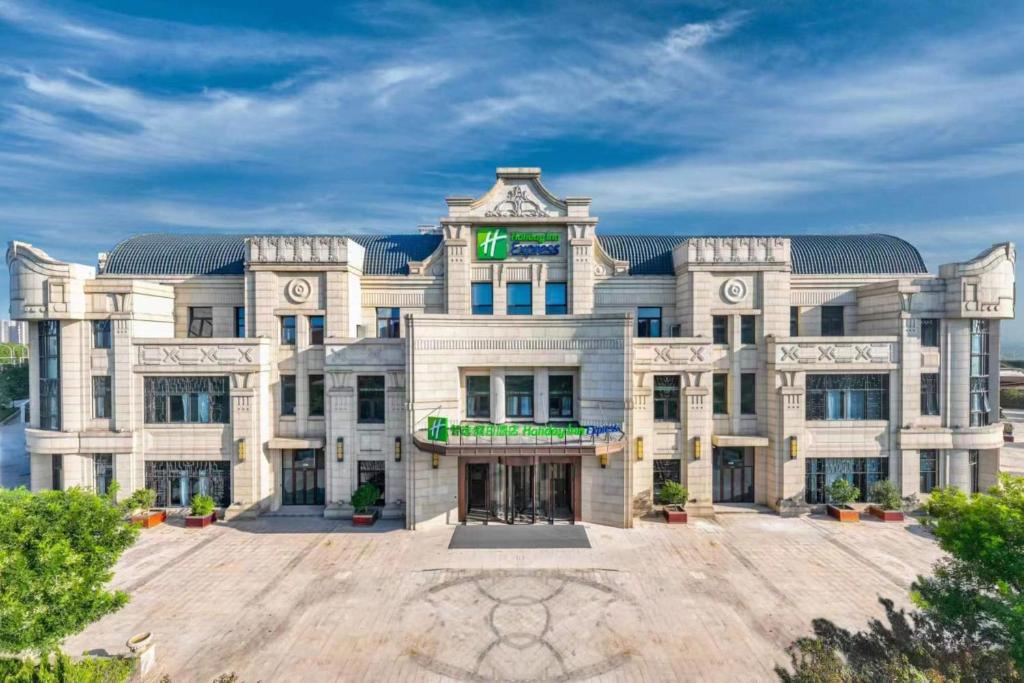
<point x="13" y="383"/>
<point x="57" y="552"/>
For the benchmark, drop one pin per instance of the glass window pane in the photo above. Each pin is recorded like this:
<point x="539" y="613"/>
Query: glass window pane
<point x="555" y="298"/>
<point x="520" y="298"/>
<point x="483" y="298"/>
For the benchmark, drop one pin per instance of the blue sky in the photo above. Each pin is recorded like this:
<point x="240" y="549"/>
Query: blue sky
<point x="698" y="117"/>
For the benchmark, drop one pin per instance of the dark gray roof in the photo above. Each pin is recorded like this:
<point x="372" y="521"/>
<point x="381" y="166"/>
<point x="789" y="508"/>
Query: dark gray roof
<point x="873" y="254"/>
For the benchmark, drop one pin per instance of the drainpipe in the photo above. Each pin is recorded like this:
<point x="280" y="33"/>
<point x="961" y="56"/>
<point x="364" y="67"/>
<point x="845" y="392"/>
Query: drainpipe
<point x="410" y="425"/>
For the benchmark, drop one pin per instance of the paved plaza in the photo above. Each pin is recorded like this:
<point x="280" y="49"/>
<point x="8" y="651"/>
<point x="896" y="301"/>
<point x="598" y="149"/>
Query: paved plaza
<point x="305" y="599"/>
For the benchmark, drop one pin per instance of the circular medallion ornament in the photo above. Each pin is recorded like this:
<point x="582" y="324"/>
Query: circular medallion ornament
<point x="734" y="290"/>
<point x="298" y="290"/>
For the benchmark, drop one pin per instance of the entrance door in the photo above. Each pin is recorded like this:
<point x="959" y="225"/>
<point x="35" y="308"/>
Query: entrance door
<point x="520" y="495"/>
<point x="733" y="476"/>
<point x="477" y="500"/>
<point x="555" y="491"/>
<point x="302" y="477"/>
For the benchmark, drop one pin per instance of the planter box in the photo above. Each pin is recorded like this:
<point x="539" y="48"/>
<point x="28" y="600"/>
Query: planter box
<point x="364" y="518"/>
<point x="148" y="520"/>
<point x="674" y="514"/>
<point x="197" y="522"/>
<point x="885" y="515"/>
<point x="843" y="514"/>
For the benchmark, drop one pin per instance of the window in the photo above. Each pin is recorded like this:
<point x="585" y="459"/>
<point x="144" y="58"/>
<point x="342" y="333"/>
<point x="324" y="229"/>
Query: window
<point x="794" y="321"/>
<point x="176" y="482"/>
<point x="556" y="300"/>
<point x="648" y="321"/>
<point x="930" y="332"/>
<point x="372" y="472"/>
<point x="560" y="399"/>
<point x="370" y="389"/>
<point x="187" y="400"/>
<point x="748" y="394"/>
<point x="478" y="396"/>
<point x="930" y="393"/>
<point x="103" y="471"/>
<point x="980" y="406"/>
<point x="666" y="398"/>
<point x="302" y="476"/>
<point x="675" y="330"/>
<point x="847" y="397"/>
<point x="974" y="459"/>
<point x="200" y="321"/>
<point x="101" y="334"/>
<point x="861" y="472"/>
<point x="287" y="394"/>
<point x="288" y="330"/>
<point x="57" y="472"/>
<point x="519" y="396"/>
<point x="483" y="298"/>
<point x="664" y="470"/>
<point x="748" y="329"/>
<point x="240" y="321"/>
<point x="101" y="397"/>
<point x="832" y="321"/>
<point x="49" y="375"/>
<point x="316" y="395"/>
<point x="389" y="324"/>
<point x="929" y="471"/>
<point x="720" y="329"/>
<point x="520" y="298"/>
<point x="316" y="330"/>
<point x="720" y="393"/>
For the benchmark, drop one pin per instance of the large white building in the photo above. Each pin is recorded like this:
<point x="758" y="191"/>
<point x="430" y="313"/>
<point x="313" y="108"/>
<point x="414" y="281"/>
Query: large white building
<point x="516" y="364"/>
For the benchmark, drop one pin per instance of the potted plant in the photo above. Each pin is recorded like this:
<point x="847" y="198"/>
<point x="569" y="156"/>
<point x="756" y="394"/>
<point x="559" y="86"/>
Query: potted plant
<point x="138" y="506"/>
<point x="673" y="496"/>
<point x="840" y="494"/>
<point x="363" y="500"/>
<point x="886" y="503"/>
<point x="202" y="513"/>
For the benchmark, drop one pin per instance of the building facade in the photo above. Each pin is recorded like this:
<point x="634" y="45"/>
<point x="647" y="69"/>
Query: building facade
<point x="514" y="364"/>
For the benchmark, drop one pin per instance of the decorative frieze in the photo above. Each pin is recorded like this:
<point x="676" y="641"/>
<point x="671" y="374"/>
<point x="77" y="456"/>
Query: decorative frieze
<point x="191" y="354"/>
<point x="518" y="344"/>
<point x="296" y="249"/>
<point x="832" y="353"/>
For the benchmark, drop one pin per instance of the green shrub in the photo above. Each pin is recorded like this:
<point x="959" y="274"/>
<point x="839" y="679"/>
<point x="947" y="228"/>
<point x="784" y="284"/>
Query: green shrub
<point x="885" y="495"/>
<point x="60" y="668"/>
<point x="364" y="497"/>
<point x="140" y="500"/>
<point x="1011" y="398"/>
<point x="842" y="492"/>
<point x="202" y="505"/>
<point x="673" y="493"/>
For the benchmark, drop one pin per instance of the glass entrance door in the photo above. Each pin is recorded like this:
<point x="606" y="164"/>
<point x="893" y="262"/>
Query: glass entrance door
<point x="477" y="490"/>
<point x="555" y="491"/>
<point x="521" y="509"/>
<point x="302" y="477"/>
<point x="733" y="475"/>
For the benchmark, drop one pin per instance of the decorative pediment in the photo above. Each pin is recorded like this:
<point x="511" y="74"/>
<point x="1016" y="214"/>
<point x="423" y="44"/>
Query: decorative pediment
<point x="518" y="193"/>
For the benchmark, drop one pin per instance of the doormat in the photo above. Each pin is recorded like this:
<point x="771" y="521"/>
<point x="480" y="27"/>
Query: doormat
<point x="518" y="537"/>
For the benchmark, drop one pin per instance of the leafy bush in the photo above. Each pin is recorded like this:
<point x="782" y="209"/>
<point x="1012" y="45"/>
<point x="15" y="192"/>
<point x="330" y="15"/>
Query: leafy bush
<point x="673" y="493"/>
<point x="140" y="500"/>
<point x="842" y="492"/>
<point x="364" y="497"/>
<point x="885" y="495"/>
<point x="60" y="668"/>
<point x="202" y="505"/>
<point x="1011" y="398"/>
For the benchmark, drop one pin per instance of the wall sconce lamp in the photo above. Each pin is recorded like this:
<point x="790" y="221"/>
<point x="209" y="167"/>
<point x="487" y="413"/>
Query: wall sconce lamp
<point x="794" y="448"/>
<point x="639" y="448"/>
<point x="435" y="460"/>
<point x="339" y="449"/>
<point x="603" y="459"/>
<point x="696" y="448"/>
<point x="398" y="449"/>
<point x="240" y="450"/>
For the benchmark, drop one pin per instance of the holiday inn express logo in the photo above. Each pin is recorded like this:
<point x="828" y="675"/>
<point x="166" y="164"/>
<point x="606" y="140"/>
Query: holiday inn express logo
<point x="497" y="244"/>
<point x="437" y="428"/>
<point x="492" y="244"/>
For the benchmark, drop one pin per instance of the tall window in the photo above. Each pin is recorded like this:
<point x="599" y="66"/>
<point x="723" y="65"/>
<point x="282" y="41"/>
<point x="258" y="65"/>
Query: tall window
<point x="520" y="298"/>
<point x="316" y="330"/>
<point x="930" y="393"/>
<point x="556" y="299"/>
<point x="720" y="393"/>
<point x="370" y="389"/>
<point x="478" y="396"/>
<point x="980" y="406"/>
<point x="287" y="394"/>
<point x="101" y="396"/>
<point x="187" y="400"/>
<point x="57" y="472"/>
<point x="665" y="470"/>
<point x="974" y="460"/>
<point x="648" y="321"/>
<point x="847" y="397"/>
<point x="101" y="334"/>
<point x="200" y="321"/>
<point x="389" y="324"/>
<point x="288" y="330"/>
<point x="483" y="298"/>
<point x="930" y="332"/>
<point x="176" y="482"/>
<point x="560" y="398"/>
<point x="832" y="324"/>
<point x="239" y="321"/>
<point x="519" y="396"/>
<point x="929" y="471"/>
<point x="794" y="321"/>
<point x="316" y="395"/>
<point x="103" y="471"/>
<point x="748" y="329"/>
<point x="861" y="472"/>
<point x="720" y="329"/>
<point x="666" y="398"/>
<point x="49" y="375"/>
<point x="748" y="394"/>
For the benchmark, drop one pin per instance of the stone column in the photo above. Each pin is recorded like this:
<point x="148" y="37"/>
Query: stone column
<point x="540" y="396"/>
<point x="497" y="395"/>
<point x="959" y="468"/>
<point x="245" y="425"/>
<point x="786" y="492"/>
<point x="581" y="269"/>
<point x="457" y="269"/>
<point x="697" y="420"/>
<point x="340" y="412"/>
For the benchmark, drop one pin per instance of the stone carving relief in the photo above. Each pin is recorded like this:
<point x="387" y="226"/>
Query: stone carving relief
<point x="517" y="204"/>
<point x="297" y="249"/>
<point x="298" y="290"/>
<point x="734" y="290"/>
<point x="737" y="249"/>
<point x="179" y="355"/>
<point x="835" y="353"/>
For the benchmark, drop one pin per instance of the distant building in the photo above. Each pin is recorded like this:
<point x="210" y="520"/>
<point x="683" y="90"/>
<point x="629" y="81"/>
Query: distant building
<point x="13" y="331"/>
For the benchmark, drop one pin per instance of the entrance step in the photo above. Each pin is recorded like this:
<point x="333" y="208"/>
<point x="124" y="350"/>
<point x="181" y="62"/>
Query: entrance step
<point x="741" y="509"/>
<point x="297" y="511"/>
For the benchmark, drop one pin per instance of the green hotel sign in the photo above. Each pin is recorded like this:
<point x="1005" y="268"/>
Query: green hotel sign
<point x="438" y="429"/>
<point x="497" y="244"/>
